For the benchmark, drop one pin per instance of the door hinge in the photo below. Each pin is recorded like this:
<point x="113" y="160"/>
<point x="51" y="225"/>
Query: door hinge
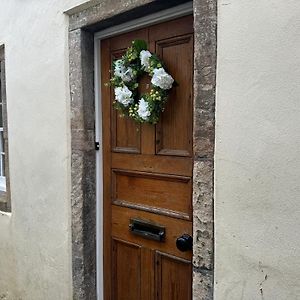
<point x="97" y="146"/>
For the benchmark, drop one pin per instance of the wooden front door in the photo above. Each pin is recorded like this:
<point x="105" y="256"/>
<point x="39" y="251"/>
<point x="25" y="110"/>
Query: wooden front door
<point x="148" y="176"/>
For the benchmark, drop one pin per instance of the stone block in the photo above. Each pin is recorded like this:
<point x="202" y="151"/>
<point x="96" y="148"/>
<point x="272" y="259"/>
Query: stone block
<point x="202" y="285"/>
<point x="203" y="214"/>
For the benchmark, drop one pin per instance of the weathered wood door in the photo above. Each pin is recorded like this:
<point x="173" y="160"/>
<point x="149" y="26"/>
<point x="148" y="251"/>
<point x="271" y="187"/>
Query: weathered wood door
<point x="148" y="176"/>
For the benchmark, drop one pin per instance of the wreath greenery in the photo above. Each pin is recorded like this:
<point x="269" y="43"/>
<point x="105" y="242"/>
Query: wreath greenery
<point x="127" y="71"/>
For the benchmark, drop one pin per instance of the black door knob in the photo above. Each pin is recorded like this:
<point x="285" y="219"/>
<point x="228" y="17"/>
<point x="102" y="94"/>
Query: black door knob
<point x="184" y="243"/>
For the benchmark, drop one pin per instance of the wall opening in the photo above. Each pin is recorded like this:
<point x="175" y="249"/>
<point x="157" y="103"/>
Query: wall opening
<point x="83" y="24"/>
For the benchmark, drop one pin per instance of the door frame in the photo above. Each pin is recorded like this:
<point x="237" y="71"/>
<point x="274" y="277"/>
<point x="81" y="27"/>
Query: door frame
<point x="85" y="20"/>
<point x="165" y="15"/>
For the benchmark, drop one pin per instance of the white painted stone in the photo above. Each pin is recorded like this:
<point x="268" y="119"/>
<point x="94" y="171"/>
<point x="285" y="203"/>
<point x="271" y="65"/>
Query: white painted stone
<point x="35" y="240"/>
<point x="257" y="167"/>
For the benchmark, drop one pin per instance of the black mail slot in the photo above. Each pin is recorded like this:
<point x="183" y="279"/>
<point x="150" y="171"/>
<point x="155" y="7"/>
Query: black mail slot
<point x="147" y="229"/>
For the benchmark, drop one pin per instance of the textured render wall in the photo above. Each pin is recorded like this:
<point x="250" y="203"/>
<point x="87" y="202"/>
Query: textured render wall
<point x="35" y="254"/>
<point x="257" y="166"/>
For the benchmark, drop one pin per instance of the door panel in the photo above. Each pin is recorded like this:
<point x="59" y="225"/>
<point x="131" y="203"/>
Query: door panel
<point x="148" y="176"/>
<point x="174" y="131"/>
<point x="173" y="280"/>
<point x="126" y="134"/>
<point x="148" y="163"/>
<point x="167" y="192"/>
<point x="126" y="260"/>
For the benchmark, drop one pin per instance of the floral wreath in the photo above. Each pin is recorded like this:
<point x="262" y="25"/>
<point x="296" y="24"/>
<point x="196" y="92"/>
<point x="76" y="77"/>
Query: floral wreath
<point x="137" y="60"/>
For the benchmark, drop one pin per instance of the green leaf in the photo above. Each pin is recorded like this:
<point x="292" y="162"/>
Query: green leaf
<point x="139" y="45"/>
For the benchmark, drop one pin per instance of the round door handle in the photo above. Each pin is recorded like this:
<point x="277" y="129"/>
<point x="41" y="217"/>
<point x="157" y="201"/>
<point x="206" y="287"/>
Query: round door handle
<point x="184" y="243"/>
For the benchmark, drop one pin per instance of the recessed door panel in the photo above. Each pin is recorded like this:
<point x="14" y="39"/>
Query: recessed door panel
<point x="126" y="270"/>
<point x="174" y="131"/>
<point x="126" y="134"/>
<point x="161" y="193"/>
<point x="173" y="277"/>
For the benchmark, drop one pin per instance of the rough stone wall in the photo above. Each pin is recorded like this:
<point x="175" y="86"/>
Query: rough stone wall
<point x="83" y="158"/>
<point x="102" y="11"/>
<point x="83" y="165"/>
<point x="205" y="21"/>
<point x="5" y="204"/>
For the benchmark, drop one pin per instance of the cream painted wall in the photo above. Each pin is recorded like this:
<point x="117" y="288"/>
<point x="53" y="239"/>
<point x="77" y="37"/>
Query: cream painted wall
<point x="257" y="166"/>
<point x="35" y="247"/>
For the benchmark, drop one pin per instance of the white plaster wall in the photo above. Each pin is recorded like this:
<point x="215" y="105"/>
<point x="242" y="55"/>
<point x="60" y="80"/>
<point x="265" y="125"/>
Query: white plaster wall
<point x="35" y="247"/>
<point x="257" y="166"/>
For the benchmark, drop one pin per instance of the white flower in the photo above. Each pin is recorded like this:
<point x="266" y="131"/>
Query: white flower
<point x="119" y="67"/>
<point x="162" y="79"/>
<point x="126" y="74"/>
<point x="123" y="95"/>
<point x="143" y="110"/>
<point x="144" y="56"/>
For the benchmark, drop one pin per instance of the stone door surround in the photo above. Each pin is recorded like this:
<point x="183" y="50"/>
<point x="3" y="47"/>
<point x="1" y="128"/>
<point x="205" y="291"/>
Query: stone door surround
<point x="84" y="21"/>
